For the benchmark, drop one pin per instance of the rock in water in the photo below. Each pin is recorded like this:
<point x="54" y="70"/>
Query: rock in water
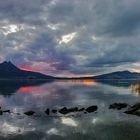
<point x="91" y="109"/>
<point x="54" y="111"/>
<point x="134" y="110"/>
<point x="29" y="113"/>
<point x="82" y="109"/>
<point x="47" y="111"/>
<point x="74" y="109"/>
<point x="1" y="112"/>
<point x="6" y="111"/>
<point x="65" y="110"/>
<point x="118" y="106"/>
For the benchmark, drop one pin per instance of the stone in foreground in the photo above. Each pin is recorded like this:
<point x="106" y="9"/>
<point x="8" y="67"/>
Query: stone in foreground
<point x="134" y="110"/>
<point x="118" y="106"/>
<point x="29" y="113"/>
<point x="54" y="111"/>
<point x="47" y="111"/>
<point x="65" y="110"/>
<point x="92" y="109"/>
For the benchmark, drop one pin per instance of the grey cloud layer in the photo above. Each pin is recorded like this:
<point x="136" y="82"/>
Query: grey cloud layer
<point x="106" y="34"/>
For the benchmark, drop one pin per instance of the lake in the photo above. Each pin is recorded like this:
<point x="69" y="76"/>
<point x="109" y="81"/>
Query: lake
<point x="104" y="124"/>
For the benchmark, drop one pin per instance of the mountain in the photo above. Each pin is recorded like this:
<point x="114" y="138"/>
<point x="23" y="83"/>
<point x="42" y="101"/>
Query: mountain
<point x="9" y="71"/>
<point x="119" y="75"/>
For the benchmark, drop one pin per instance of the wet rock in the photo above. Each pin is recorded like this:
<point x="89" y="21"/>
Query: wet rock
<point x="65" y="110"/>
<point x="1" y="112"/>
<point x="6" y="111"/>
<point x="92" y="109"/>
<point x="137" y="113"/>
<point x="134" y="110"/>
<point x="47" y="111"/>
<point x="29" y="113"/>
<point x="54" y="111"/>
<point x="82" y="109"/>
<point x="74" y="109"/>
<point x="118" y="106"/>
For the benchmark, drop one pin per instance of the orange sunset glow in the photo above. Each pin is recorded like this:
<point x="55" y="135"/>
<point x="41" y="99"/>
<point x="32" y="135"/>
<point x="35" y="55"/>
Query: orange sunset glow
<point x="89" y="83"/>
<point x="82" y="82"/>
<point x="135" y="70"/>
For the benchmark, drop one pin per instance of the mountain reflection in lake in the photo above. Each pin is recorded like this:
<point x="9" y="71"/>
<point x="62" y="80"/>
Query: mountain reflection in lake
<point x="37" y="96"/>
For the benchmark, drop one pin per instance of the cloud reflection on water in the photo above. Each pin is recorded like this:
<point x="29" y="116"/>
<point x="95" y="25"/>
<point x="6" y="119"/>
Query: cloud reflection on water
<point x="59" y="94"/>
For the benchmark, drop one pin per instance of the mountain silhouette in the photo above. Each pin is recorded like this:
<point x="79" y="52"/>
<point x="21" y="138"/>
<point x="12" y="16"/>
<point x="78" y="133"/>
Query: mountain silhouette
<point x="9" y="71"/>
<point x="119" y="75"/>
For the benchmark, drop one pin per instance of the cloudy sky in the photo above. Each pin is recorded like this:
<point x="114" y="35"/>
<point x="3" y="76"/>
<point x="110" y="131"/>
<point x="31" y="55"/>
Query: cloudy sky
<point x="71" y="37"/>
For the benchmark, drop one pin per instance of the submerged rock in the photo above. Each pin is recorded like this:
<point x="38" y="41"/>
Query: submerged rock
<point x="82" y="109"/>
<point x="6" y="111"/>
<point x="47" y="111"/>
<point x="92" y="109"/>
<point x="74" y="109"/>
<point x="134" y="110"/>
<point x="54" y="111"/>
<point x="118" y="106"/>
<point x="1" y="112"/>
<point x="29" y="113"/>
<point x="65" y="110"/>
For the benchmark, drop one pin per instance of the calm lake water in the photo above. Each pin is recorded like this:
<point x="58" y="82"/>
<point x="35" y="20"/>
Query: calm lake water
<point x="105" y="124"/>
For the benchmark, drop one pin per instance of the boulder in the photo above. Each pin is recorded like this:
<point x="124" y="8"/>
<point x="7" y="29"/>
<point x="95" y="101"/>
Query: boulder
<point x="92" y="109"/>
<point x="74" y="109"/>
<point x="134" y="110"/>
<point x="1" y="112"/>
<point x="81" y="109"/>
<point x="65" y="110"/>
<point x="29" y="113"/>
<point x="118" y="106"/>
<point x="54" y="111"/>
<point x="6" y="111"/>
<point x="47" y="111"/>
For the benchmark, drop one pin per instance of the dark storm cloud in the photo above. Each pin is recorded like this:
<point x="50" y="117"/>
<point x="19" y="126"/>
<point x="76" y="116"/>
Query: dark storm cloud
<point x="117" y="18"/>
<point x="71" y="36"/>
<point x="120" y="55"/>
<point x="22" y="11"/>
<point x="45" y="49"/>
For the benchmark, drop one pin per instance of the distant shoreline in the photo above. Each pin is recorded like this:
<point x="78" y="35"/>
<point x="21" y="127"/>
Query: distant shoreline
<point x="22" y="79"/>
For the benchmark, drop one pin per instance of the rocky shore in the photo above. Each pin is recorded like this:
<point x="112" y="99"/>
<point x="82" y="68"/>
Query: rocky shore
<point x="129" y="109"/>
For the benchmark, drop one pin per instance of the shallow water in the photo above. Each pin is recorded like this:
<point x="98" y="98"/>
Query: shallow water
<point x="104" y="124"/>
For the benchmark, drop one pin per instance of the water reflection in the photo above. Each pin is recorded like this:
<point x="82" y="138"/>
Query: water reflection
<point x="8" y="87"/>
<point x="134" y="85"/>
<point x="136" y="89"/>
<point x="38" y="96"/>
<point x="69" y="121"/>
